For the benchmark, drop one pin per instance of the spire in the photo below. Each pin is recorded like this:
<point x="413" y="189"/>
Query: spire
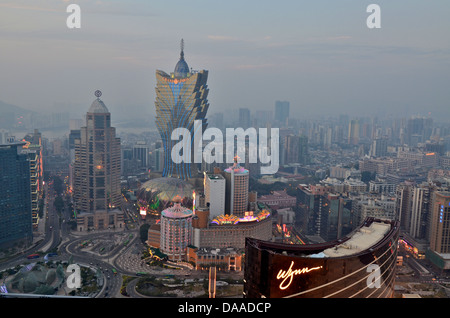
<point x="181" y="69"/>
<point x="182" y="50"/>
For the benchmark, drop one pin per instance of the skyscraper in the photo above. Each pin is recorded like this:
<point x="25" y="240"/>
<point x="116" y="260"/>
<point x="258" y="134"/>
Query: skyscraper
<point x="236" y="192"/>
<point x="379" y="147"/>
<point x="97" y="192"/>
<point x="33" y="148"/>
<point x="214" y="187"/>
<point x="244" y="117"/>
<point x="141" y="151"/>
<point x="181" y="98"/>
<point x="440" y="223"/>
<point x="353" y="132"/>
<point x="15" y="196"/>
<point x="439" y="249"/>
<point x="281" y="111"/>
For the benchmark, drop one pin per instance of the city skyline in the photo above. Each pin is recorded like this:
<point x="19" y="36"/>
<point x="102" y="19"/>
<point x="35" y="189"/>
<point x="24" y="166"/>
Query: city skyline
<point x="164" y="187"/>
<point x="262" y="51"/>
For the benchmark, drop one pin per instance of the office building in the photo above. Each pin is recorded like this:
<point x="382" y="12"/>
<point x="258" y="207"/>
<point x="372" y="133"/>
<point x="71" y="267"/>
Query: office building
<point x="403" y="194"/>
<point x="421" y="204"/>
<point x="181" y="98"/>
<point x="236" y="193"/>
<point x="141" y="153"/>
<point x="15" y="196"/>
<point x="439" y="249"/>
<point x="244" y="118"/>
<point x="214" y="188"/>
<point x="440" y="222"/>
<point x="296" y="149"/>
<point x="74" y="134"/>
<point x="282" y="111"/>
<point x="97" y="194"/>
<point x="353" y="132"/>
<point x="379" y="147"/>
<point x="33" y="149"/>
<point x="418" y="130"/>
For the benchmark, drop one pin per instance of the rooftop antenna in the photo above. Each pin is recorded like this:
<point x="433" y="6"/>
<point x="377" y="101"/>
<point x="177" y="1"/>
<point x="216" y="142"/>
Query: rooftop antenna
<point x="182" y="48"/>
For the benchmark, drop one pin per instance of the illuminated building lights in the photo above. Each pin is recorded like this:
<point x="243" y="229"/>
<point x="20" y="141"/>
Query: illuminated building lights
<point x="226" y="219"/>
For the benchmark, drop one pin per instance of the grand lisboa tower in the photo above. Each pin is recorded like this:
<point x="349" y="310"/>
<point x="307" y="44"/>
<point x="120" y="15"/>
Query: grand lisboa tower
<point x="181" y="98"/>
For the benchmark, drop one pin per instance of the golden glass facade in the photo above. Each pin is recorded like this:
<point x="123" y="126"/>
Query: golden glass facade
<point x="181" y="98"/>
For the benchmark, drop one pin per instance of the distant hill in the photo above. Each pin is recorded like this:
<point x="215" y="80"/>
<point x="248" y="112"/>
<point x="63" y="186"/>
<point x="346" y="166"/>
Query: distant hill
<point x="9" y="113"/>
<point x="9" y="108"/>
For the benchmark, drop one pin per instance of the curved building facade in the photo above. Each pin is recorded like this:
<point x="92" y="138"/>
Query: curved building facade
<point x="361" y="265"/>
<point x="181" y="98"/>
<point x="176" y="231"/>
<point x="236" y="191"/>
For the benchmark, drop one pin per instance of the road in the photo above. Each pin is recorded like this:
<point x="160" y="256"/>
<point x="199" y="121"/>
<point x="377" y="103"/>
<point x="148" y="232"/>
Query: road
<point x="58" y="237"/>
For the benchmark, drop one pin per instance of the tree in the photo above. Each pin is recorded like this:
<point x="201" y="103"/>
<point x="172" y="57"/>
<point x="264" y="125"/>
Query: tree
<point x="58" y="185"/>
<point x="143" y="232"/>
<point x="367" y="176"/>
<point x="58" y="204"/>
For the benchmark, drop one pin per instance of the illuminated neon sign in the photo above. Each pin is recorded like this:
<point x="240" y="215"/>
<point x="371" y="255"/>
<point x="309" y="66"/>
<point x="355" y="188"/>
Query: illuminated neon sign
<point x="287" y="276"/>
<point x="233" y="219"/>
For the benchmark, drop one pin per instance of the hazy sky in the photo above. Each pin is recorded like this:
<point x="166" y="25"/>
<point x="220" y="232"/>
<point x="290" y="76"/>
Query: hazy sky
<point x="319" y="55"/>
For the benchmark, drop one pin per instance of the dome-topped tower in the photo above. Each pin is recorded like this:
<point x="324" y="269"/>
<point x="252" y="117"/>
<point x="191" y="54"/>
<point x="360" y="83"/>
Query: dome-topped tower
<point x="182" y="68"/>
<point x="181" y="99"/>
<point x="97" y="105"/>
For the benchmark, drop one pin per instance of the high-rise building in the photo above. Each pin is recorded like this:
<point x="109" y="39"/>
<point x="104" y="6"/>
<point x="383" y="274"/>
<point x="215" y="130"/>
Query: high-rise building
<point x="379" y="147"/>
<point x="403" y="194"/>
<point x="176" y="231"/>
<point x="74" y="134"/>
<point x="421" y="202"/>
<point x="353" y="132"/>
<point x="439" y="249"/>
<point x="214" y="185"/>
<point x="33" y="148"/>
<point x="440" y="223"/>
<point x="296" y="148"/>
<point x="281" y="111"/>
<point x="236" y="193"/>
<point x="181" y="98"/>
<point x="97" y="194"/>
<point x="418" y="130"/>
<point x="141" y="152"/>
<point x="15" y="196"/>
<point x="244" y="117"/>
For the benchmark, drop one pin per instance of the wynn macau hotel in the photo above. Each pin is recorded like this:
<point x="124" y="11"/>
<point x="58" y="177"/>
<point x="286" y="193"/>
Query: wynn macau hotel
<point x="359" y="265"/>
